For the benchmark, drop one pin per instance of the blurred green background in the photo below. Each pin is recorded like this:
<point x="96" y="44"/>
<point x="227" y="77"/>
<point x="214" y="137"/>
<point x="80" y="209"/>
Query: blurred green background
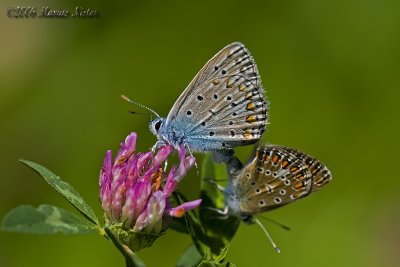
<point x="331" y="72"/>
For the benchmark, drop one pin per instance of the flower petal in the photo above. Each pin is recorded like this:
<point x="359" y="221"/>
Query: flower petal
<point x="119" y="177"/>
<point x="162" y="154"/>
<point x="141" y="221"/>
<point x="105" y="184"/>
<point x="117" y="201"/>
<point x="132" y="172"/>
<point x="170" y="184"/>
<point x="184" y="166"/>
<point x="155" y="210"/>
<point x="129" y="208"/>
<point x="143" y="160"/>
<point x="180" y="210"/>
<point x="141" y="194"/>
<point x="127" y="148"/>
<point x="105" y="173"/>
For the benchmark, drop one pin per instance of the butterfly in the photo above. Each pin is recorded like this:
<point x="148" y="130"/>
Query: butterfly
<point x="223" y="106"/>
<point x="275" y="177"/>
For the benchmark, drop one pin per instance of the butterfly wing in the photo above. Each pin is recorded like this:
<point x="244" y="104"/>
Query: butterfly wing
<point x="318" y="170"/>
<point x="276" y="177"/>
<point x="224" y="105"/>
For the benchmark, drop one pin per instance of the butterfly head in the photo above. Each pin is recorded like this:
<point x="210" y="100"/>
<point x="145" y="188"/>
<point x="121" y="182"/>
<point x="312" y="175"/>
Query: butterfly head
<point x="156" y="125"/>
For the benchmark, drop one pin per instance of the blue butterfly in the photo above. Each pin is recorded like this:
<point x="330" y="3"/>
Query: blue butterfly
<point x="223" y="106"/>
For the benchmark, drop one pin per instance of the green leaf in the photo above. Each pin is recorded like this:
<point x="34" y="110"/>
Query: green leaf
<point x="206" y="263"/>
<point x="46" y="219"/>
<point x="211" y="232"/>
<point x="65" y="189"/>
<point x="222" y="255"/>
<point x="191" y="257"/>
<point x="218" y="261"/>
<point x="179" y="225"/>
<point x="220" y="229"/>
<point x="216" y="173"/>
<point x="191" y="223"/>
<point x="131" y="259"/>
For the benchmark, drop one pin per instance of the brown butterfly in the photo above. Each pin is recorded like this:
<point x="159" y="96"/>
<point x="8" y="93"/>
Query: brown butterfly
<point x="275" y="177"/>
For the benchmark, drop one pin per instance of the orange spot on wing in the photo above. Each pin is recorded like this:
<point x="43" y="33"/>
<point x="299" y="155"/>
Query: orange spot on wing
<point x="314" y="171"/>
<point x="247" y="134"/>
<point x="319" y="180"/>
<point x="300" y="176"/>
<point x="251" y="118"/>
<point x="250" y="106"/>
<point x="299" y="185"/>
<point x="293" y="169"/>
<point x="285" y="164"/>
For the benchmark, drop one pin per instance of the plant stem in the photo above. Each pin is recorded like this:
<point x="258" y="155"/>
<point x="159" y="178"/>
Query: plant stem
<point x="131" y="259"/>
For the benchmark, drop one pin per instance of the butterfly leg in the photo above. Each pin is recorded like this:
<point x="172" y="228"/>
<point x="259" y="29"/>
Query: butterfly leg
<point x="217" y="186"/>
<point x="223" y="212"/>
<point x="157" y="145"/>
<point x="165" y="165"/>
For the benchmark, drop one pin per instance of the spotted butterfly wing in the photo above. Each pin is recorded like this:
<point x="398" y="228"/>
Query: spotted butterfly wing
<point x="320" y="173"/>
<point x="224" y="105"/>
<point x="276" y="176"/>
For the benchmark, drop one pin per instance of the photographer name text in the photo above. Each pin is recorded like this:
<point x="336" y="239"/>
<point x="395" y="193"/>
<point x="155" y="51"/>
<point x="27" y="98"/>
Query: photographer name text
<point x="47" y="12"/>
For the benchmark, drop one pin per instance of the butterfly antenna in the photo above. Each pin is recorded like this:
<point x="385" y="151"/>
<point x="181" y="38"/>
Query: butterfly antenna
<point x="268" y="236"/>
<point x="139" y="105"/>
<point x="137" y="113"/>
<point x="285" y="227"/>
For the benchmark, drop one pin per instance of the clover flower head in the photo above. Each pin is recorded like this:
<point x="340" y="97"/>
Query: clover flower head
<point x="135" y="192"/>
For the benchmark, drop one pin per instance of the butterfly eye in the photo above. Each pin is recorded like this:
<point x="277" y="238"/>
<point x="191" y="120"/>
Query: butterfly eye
<point x="157" y="125"/>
